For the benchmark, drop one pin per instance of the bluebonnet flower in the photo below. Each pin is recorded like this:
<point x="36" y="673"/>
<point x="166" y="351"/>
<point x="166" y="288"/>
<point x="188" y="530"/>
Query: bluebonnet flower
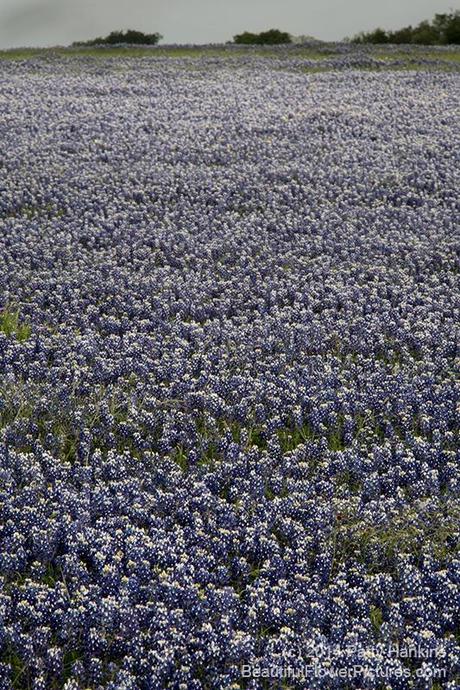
<point x="228" y="331"/>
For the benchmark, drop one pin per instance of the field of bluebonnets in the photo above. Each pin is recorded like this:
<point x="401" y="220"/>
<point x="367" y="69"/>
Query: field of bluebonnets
<point x="229" y="292"/>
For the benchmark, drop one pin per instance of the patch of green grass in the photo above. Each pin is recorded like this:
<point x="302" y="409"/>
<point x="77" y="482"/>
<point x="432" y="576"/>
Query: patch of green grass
<point x="347" y="479"/>
<point x="29" y="212"/>
<point x="232" y="427"/>
<point x="335" y="440"/>
<point x="291" y="437"/>
<point x="20" y="54"/>
<point x="18" y="667"/>
<point x="437" y="60"/>
<point x="451" y="56"/>
<point x="128" y="52"/>
<point x="418" y="529"/>
<point x="179" y="456"/>
<point x="315" y="70"/>
<point x="376" y="618"/>
<point x="165" y="51"/>
<point x="256" y="438"/>
<point x="12" y="326"/>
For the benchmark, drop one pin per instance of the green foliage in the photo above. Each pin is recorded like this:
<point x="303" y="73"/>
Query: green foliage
<point x="425" y="34"/>
<point x="403" y="35"/>
<point x="11" y="325"/>
<point x="292" y="436"/>
<point x="433" y="58"/>
<point x="376" y="618"/>
<point x="180" y="457"/>
<point x="377" y="36"/>
<point x="129" y="37"/>
<point x="246" y="38"/>
<point x="270" y="37"/>
<point x="448" y="27"/>
<point x="274" y="37"/>
<point x="422" y="528"/>
<point x="444" y="29"/>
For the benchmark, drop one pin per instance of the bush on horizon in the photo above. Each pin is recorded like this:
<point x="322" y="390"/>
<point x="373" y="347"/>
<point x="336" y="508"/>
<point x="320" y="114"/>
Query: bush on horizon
<point x="270" y="37"/>
<point x="129" y="37"/>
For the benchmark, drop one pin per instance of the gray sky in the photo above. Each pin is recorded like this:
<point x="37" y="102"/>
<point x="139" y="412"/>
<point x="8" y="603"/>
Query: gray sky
<point x="59" y="22"/>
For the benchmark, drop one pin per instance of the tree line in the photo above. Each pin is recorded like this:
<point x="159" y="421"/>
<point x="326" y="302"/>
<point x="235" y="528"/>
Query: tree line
<point x="444" y="29"/>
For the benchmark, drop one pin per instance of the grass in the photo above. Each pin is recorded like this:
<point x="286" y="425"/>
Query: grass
<point x="179" y="456"/>
<point x="21" y="669"/>
<point x="167" y="51"/>
<point x="290" y="438"/>
<point x="12" y="326"/>
<point x="376" y="617"/>
<point x="16" y="408"/>
<point x="30" y="212"/>
<point x="419" y="529"/>
<point x="315" y="70"/>
<point x="408" y="67"/>
<point x="450" y="58"/>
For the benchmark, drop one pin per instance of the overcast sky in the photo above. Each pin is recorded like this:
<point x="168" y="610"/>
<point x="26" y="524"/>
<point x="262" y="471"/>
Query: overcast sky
<point x="59" y="22"/>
